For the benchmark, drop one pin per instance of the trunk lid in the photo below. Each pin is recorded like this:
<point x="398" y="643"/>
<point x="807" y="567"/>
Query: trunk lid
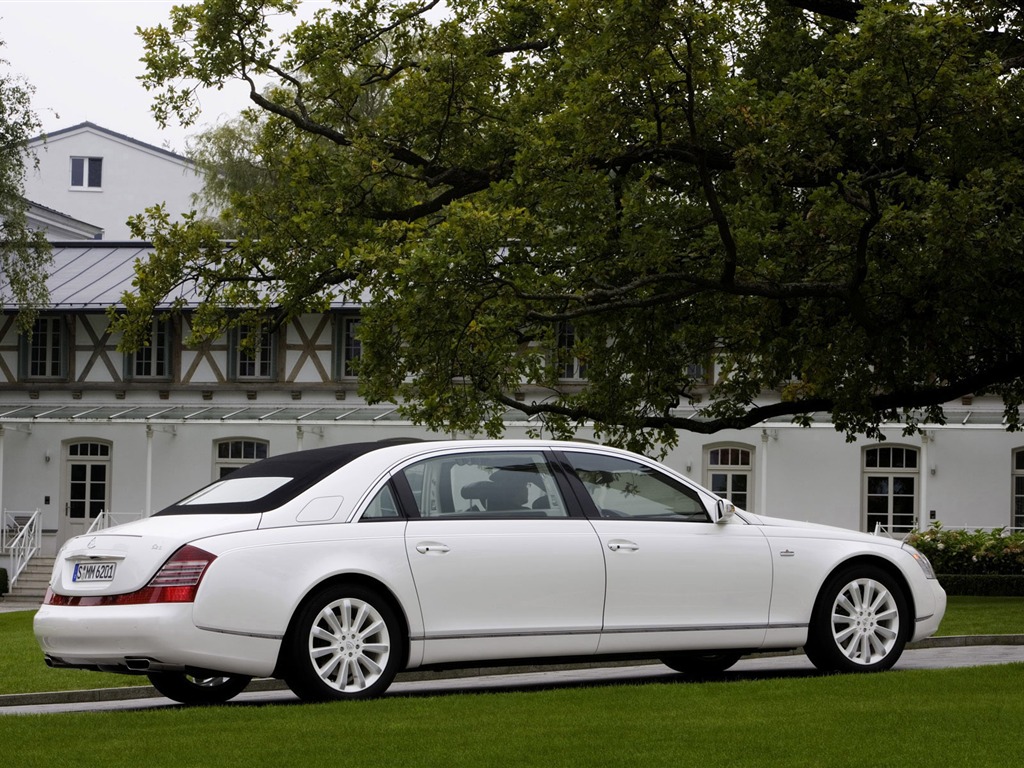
<point x="124" y="558"/>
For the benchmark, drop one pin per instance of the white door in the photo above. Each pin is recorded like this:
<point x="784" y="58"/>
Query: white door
<point x="675" y="579"/>
<point x="87" y="487"/>
<point x="501" y="568"/>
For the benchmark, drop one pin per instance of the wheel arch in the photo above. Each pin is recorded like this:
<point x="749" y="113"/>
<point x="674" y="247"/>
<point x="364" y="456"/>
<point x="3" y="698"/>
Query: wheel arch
<point x="354" y="579"/>
<point x="889" y="567"/>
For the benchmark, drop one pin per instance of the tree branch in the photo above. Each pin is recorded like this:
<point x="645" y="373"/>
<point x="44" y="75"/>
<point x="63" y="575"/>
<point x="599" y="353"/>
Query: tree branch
<point x="921" y="397"/>
<point x="843" y="10"/>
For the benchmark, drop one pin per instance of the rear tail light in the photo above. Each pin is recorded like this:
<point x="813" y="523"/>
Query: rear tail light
<point x="177" y="581"/>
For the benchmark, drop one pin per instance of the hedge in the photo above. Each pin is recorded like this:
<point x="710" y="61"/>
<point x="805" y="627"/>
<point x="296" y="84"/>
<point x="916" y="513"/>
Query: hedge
<point x="962" y="552"/>
<point x="974" y="562"/>
<point x="982" y="585"/>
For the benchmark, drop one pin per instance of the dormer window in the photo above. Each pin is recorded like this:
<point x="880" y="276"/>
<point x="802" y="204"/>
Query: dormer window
<point x="87" y="172"/>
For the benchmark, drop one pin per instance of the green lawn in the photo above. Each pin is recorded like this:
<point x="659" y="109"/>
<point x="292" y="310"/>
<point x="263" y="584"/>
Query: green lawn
<point x="983" y="616"/>
<point x="23" y="669"/>
<point x="942" y="718"/>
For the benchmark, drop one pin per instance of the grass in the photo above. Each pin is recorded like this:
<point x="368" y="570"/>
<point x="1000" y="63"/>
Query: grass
<point x="942" y="718"/>
<point x="983" y="616"/>
<point x="23" y="670"/>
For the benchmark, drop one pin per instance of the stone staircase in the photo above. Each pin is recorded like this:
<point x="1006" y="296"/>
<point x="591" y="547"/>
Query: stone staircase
<point x="33" y="581"/>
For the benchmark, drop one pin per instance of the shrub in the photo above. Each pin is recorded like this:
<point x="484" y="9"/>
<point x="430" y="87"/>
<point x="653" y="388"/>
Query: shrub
<point x="3" y="581"/>
<point x="983" y="585"/>
<point x="967" y="553"/>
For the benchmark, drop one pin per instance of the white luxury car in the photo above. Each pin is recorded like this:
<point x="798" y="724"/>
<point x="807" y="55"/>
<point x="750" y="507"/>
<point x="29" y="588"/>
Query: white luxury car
<point x="336" y="568"/>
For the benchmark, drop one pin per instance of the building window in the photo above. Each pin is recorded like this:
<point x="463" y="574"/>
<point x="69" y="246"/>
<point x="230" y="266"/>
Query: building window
<point x="349" y="348"/>
<point x="88" y="489"/>
<point x="568" y="365"/>
<point x="44" y="350"/>
<point x="234" y="453"/>
<point x="730" y="473"/>
<point x="252" y="351"/>
<point x="1018" y="489"/>
<point x="154" y="360"/>
<point x="890" y="488"/>
<point x="87" y="172"/>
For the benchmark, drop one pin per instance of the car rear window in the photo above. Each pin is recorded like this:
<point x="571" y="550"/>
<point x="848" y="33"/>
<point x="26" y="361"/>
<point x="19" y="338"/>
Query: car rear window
<point x="267" y="484"/>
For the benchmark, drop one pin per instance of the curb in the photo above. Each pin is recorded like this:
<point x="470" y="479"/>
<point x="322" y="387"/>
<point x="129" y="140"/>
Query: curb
<point x="126" y="693"/>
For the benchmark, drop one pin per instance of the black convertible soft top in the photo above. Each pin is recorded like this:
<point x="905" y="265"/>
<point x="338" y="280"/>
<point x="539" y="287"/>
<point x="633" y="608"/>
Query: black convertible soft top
<point x="304" y="468"/>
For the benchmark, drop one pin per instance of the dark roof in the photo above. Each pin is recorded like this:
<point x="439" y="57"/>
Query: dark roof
<point x="114" y="134"/>
<point x="33" y="205"/>
<point x="304" y="468"/>
<point x="93" y="274"/>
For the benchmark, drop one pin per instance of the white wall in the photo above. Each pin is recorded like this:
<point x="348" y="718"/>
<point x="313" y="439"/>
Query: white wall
<point x="135" y="176"/>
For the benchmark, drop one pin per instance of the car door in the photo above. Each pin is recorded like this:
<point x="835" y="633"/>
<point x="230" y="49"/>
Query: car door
<point x="501" y="566"/>
<point x="675" y="579"/>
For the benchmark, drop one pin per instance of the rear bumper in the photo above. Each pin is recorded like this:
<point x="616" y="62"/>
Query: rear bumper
<point x="147" y="637"/>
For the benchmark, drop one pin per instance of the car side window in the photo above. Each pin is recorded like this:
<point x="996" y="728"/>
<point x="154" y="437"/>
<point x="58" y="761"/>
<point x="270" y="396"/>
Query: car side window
<point x="383" y="507"/>
<point x="620" y="487"/>
<point x="510" y="485"/>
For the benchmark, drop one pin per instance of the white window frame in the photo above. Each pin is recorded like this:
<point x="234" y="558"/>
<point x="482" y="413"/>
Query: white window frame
<point x="53" y="331"/>
<point x="153" y="362"/>
<point x="348" y="347"/>
<point x="568" y="366"/>
<point x="240" y="451"/>
<point x="1017" y="489"/>
<point x="86" y="180"/>
<point x="260" y="364"/>
<point x="879" y="462"/>
<point x="722" y="476"/>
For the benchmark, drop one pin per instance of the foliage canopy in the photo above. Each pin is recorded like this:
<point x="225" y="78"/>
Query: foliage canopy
<point x="24" y="254"/>
<point x="826" y="198"/>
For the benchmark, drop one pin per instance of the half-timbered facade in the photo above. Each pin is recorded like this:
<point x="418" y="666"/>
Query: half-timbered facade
<point x="87" y="431"/>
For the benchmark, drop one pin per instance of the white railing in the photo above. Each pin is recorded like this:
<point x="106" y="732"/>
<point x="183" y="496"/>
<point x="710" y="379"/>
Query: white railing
<point x="883" y="530"/>
<point x="106" y="519"/>
<point x="22" y="539"/>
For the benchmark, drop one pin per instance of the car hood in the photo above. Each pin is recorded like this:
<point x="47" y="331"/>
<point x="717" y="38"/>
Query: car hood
<point x="815" y="530"/>
<point x="136" y="550"/>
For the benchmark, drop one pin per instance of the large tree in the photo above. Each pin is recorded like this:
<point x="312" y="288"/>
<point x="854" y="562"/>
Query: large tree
<point x="825" y="199"/>
<point x="24" y="254"/>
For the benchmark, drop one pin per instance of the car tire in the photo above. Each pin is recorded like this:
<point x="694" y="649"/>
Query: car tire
<point x="195" y="690"/>
<point x="699" y="664"/>
<point x="861" y="622"/>
<point x="346" y="643"/>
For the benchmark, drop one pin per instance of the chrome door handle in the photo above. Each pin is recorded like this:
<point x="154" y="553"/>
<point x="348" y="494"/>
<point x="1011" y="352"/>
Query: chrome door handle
<point x="431" y="548"/>
<point x="616" y="545"/>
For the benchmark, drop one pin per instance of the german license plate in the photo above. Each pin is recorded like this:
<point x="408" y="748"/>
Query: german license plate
<point x="93" y="572"/>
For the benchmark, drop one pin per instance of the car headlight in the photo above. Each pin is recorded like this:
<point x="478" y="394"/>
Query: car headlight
<point x="926" y="566"/>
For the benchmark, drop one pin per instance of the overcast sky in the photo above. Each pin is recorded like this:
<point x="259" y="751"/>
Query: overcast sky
<point x="82" y="57"/>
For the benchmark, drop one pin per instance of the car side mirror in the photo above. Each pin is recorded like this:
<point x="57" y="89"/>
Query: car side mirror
<point x="724" y="510"/>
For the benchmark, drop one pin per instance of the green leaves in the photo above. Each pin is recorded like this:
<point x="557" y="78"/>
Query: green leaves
<point x="820" y="215"/>
<point x="24" y="254"/>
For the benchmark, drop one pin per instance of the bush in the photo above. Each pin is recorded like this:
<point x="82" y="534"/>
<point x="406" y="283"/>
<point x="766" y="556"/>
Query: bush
<point x="983" y="585"/>
<point x="3" y="581"/>
<point x="959" y="552"/>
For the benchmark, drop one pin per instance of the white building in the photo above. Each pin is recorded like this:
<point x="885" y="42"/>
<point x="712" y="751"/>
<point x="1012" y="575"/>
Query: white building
<point x="98" y="176"/>
<point x="87" y="432"/>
